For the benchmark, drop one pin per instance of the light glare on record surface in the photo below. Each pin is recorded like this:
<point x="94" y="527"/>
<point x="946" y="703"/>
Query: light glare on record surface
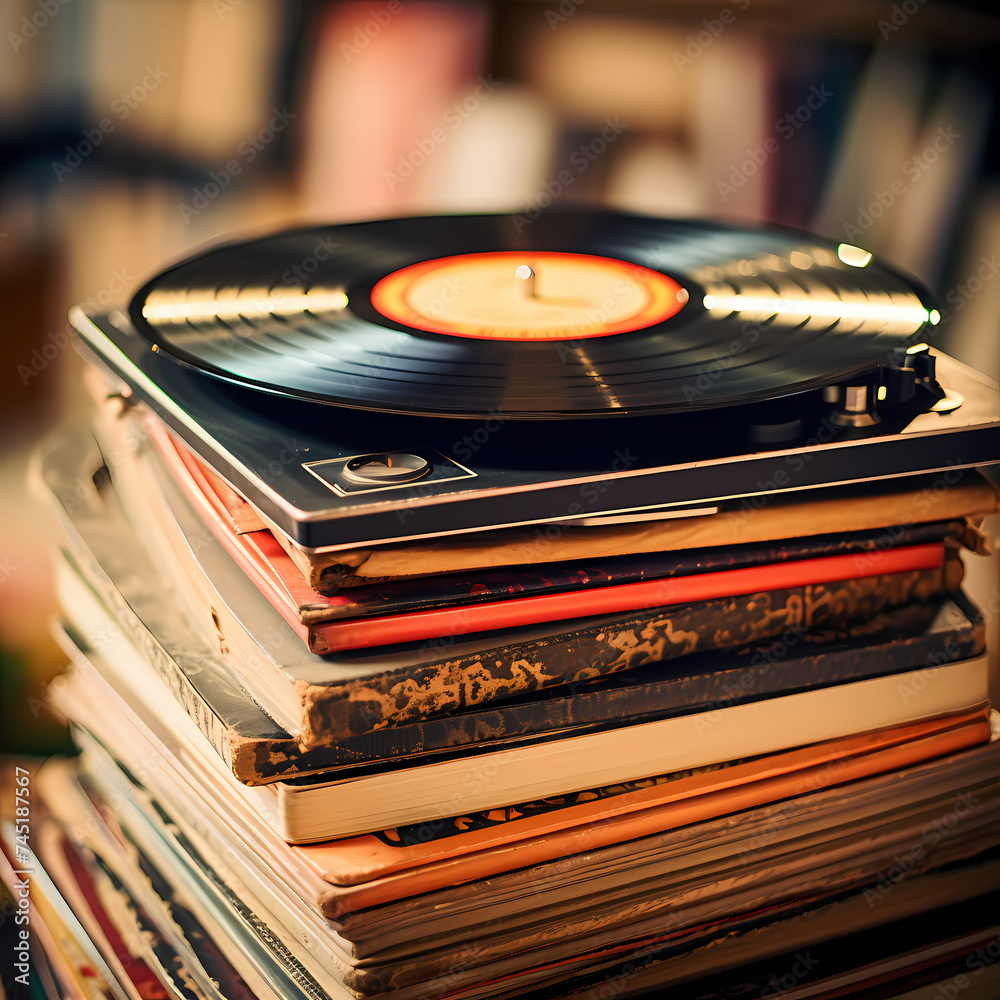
<point x="853" y="256"/>
<point x="911" y="315"/>
<point x="162" y="308"/>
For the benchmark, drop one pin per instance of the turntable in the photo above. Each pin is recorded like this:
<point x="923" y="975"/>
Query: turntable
<point x="415" y="378"/>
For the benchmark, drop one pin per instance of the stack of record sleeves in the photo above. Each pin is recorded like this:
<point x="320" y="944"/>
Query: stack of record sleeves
<point x="574" y="612"/>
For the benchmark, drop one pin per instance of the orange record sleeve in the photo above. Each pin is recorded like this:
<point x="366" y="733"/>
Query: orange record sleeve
<point x="274" y="573"/>
<point x="378" y="868"/>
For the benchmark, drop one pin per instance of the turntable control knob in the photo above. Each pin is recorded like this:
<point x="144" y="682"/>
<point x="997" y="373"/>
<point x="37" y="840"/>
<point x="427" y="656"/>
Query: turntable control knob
<point x="393" y="467"/>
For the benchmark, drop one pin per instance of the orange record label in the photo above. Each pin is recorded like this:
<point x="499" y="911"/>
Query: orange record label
<point x="510" y="295"/>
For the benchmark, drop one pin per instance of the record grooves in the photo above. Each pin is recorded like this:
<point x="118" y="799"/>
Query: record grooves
<point x="682" y="316"/>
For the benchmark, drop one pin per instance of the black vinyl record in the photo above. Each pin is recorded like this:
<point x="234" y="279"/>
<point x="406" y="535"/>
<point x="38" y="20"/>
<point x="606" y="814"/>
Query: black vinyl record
<point x="755" y="314"/>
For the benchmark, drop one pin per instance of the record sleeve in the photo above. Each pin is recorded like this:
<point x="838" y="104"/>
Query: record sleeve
<point x="423" y="680"/>
<point x="321" y="807"/>
<point x="258" y="750"/>
<point x="270" y="560"/>
<point x="377" y="868"/>
<point x="626" y="917"/>
<point x="335" y="623"/>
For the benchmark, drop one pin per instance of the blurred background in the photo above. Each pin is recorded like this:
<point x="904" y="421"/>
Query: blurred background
<point x="133" y="132"/>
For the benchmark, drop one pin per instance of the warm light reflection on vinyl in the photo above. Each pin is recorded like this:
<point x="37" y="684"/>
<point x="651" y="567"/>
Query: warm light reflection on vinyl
<point x="854" y="256"/>
<point x="770" y="312"/>
<point x="165" y="307"/>
<point x="910" y="316"/>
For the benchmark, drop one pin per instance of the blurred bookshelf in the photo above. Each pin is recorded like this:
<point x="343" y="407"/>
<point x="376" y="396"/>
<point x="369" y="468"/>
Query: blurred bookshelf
<point x="135" y="133"/>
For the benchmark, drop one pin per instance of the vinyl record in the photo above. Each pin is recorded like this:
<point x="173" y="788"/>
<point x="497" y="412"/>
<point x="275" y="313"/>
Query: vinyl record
<point x="577" y="313"/>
